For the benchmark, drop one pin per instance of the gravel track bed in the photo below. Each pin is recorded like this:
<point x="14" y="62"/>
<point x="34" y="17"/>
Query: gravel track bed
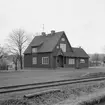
<point x="70" y="92"/>
<point x="51" y="98"/>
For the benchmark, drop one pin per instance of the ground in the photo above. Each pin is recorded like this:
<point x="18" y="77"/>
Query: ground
<point x="40" y="75"/>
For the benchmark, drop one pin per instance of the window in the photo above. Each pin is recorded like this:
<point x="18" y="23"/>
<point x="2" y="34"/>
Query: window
<point x="57" y="47"/>
<point x="45" y="60"/>
<point x="34" y="50"/>
<point x="63" y="47"/>
<point x="63" y="39"/>
<point x="82" y="61"/>
<point x="34" y="60"/>
<point x="71" y="61"/>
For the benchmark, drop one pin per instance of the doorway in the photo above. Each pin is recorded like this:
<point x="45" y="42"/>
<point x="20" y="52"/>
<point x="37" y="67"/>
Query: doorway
<point x="60" y="61"/>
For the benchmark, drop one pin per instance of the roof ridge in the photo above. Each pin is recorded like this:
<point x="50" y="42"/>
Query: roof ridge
<point x="49" y="42"/>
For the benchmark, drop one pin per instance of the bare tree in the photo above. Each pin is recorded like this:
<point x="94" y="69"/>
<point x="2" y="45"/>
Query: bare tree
<point x="3" y="56"/>
<point x="15" y="60"/>
<point x="96" y="58"/>
<point x="17" y="42"/>
<point x="1" y="52"/>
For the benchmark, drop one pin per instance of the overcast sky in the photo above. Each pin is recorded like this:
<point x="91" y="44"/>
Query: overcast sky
<point x="82" y="20"/>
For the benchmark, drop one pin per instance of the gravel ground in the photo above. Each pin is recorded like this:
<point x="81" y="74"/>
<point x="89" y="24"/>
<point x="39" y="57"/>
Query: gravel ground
<point x="68" y="92"/>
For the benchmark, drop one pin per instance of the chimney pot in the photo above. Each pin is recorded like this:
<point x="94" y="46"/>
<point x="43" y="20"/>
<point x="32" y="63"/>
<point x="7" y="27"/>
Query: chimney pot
<point x="52" y="32"/>
<point x="43" y="33"/>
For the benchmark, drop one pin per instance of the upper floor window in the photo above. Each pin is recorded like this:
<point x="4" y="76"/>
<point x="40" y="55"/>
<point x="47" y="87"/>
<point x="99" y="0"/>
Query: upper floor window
<point x="63" y="39"/>
<point x="34" y="50"/>
<point x="45" y="60"/>
<point x="63" y="47"/>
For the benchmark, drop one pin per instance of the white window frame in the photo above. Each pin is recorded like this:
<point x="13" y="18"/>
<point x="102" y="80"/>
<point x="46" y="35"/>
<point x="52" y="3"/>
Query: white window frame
<point x="71" y="61"/>
<point x="34" y="60"/>
<point x="82" y="60"/>
<point x="45" y="60"/>
<point x="63" y="47"/>
<point x="34" y="50"/>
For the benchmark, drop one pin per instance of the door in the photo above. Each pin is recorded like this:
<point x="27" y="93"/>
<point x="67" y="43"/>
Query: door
<point x="60" y="61"/>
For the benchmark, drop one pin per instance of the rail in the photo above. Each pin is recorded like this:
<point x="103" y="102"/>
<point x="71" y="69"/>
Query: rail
<point x="17" y="88"/>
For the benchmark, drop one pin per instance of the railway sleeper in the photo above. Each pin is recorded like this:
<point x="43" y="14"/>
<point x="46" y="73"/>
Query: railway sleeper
<point x="41" y="93"/>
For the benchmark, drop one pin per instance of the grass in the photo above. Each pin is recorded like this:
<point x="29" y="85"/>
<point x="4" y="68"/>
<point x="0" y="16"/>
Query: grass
<point x="67" y="92"/>
<point x="94" y="75"/>
<point x="95" y="101"/>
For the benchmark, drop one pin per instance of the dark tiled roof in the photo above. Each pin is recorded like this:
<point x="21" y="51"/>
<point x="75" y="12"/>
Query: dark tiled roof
<point x="70" y="54"/>
<point x="58" y="52"/>
<point x="79" y="52"/>
<point x="48" y="42"/>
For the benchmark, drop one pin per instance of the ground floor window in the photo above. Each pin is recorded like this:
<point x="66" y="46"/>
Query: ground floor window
<point x="45" y="60"/>
<point x="71" y="61"/>
<point x="34" y="60"/>
<point x="82" y="61"/>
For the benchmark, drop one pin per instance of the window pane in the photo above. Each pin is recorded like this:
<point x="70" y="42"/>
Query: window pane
<point x="45" y="60"/>
<point x="34" y="50"/>
<point x="82" y="61"/>
<point x="63" y="39"/>
<point x="34" y="60"/>
<point x="63" y="47"/>
<point x="71" y="61"/>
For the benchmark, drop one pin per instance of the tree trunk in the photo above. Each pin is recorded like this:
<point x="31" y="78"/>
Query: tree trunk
<point x="16" y="66"/>
<point x="21" y="63"/>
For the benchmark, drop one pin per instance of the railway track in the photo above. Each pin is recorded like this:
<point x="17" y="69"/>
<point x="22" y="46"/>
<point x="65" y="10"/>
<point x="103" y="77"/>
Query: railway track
<point x="18" y="88"/>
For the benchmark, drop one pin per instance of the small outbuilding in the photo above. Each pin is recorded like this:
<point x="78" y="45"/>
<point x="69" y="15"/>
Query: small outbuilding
<point x="52" y="51"/>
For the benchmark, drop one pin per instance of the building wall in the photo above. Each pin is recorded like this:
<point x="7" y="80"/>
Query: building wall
<point x="52" y="61"/>
<point x="68" y="49"/>
<point x="67" y="63"/>
<point x="39" y="60"/>
<point x="84" y="65"/>
<point x="68" y="46"/>
<point x="27" y="60"/>
<point x="77" y="63"/>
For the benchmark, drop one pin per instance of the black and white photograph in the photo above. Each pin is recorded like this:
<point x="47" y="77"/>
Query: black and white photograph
<point x="52" y="52"/>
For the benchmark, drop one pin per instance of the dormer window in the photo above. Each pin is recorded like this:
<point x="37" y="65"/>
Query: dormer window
<point x="34" y="50"/>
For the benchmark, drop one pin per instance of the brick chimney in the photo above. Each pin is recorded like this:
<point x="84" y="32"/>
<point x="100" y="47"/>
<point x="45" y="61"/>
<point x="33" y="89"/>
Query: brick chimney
<point x="52" y="32"/>
<point x="43" y="33"/>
